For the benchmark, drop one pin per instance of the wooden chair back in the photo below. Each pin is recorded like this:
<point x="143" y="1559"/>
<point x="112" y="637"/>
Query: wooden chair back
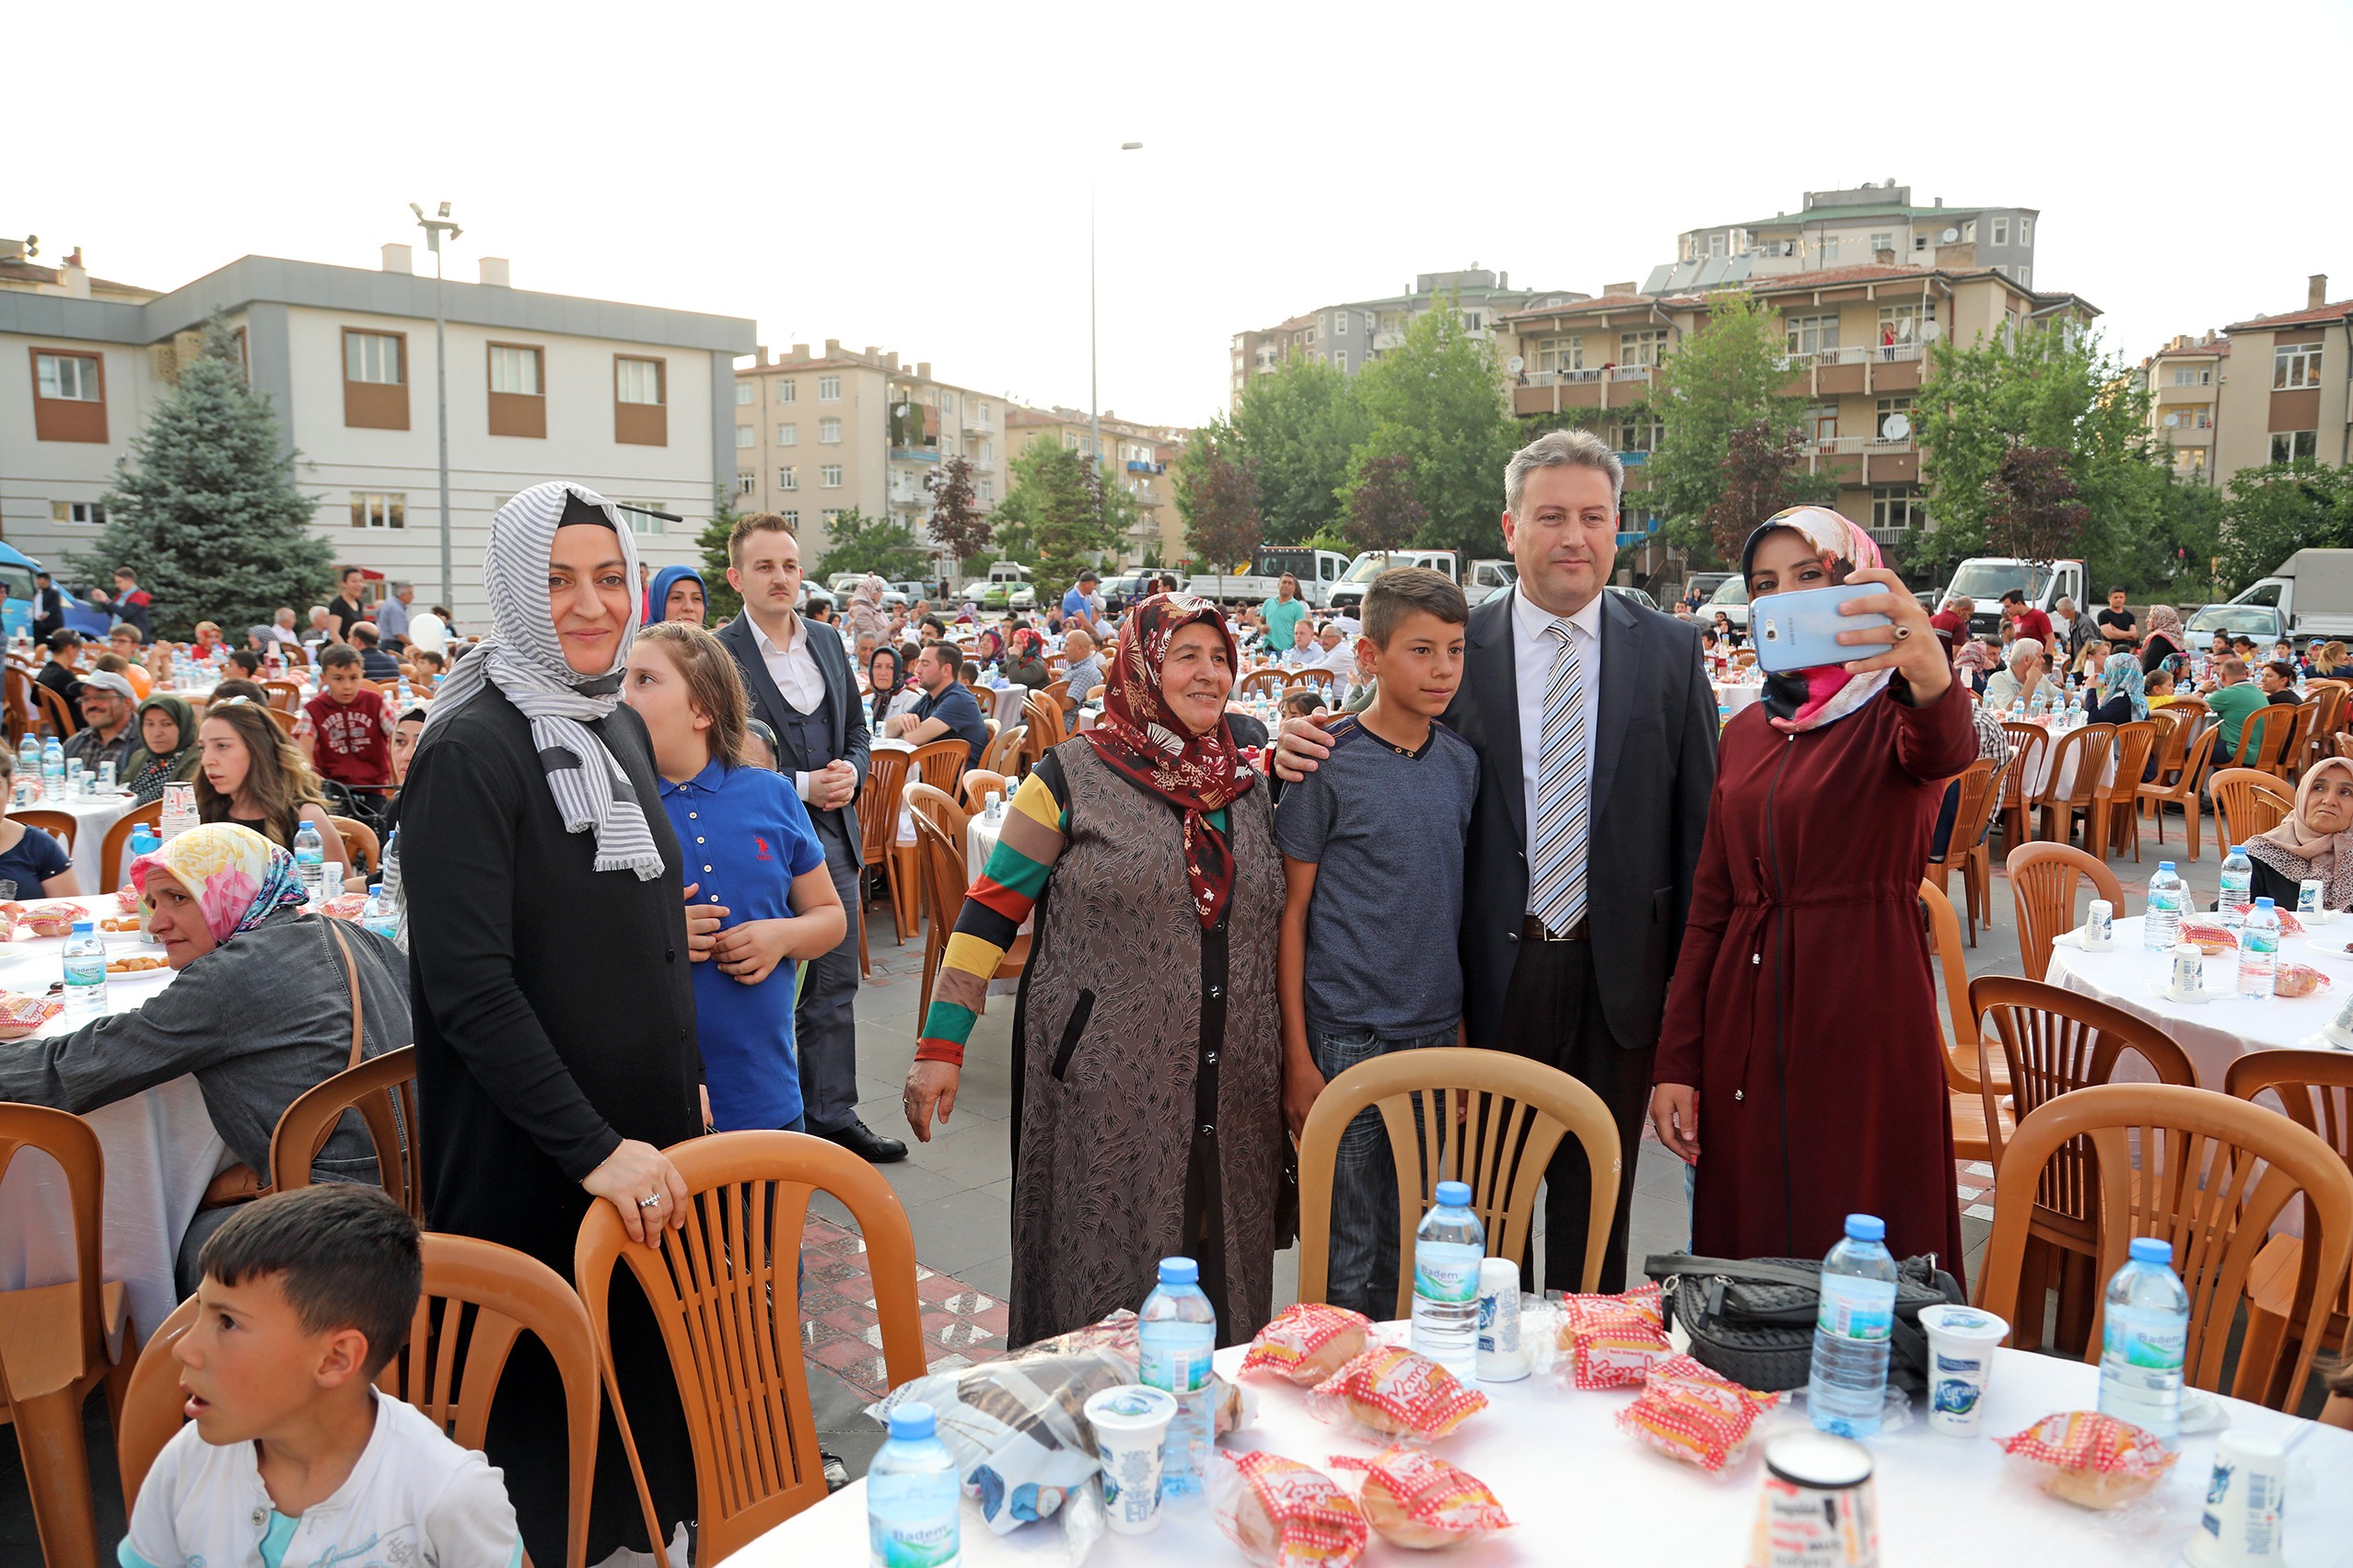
<point x="2049" y="1042"/>
<point x="381" y="1091"/>
<point x="1488" y="1118"/>
<point x="726" y="1292"/>
<point x="2181" y="788"/>
<point x="1044" y="721"/>
<point x="1003" y="755"/>
<point x="153" y="1406"/>
<point x="2042" y="886"/>
<point x="285" y="695"/>
<point x="16" y="693"/>
<point x="2028" y="742"/>
<point x="1962" y="1059"/>
<point x="941" y="763"/>
<point x="69" y="1141"/>
<point x="2253" y="801"/>
<point x="53" y="717"/>
<point x="118" y="834"/>
<point x="939" y="856"/>
<point x="363" y="851"/>
<point x="2207" y="1173"/>
<point x="2087" y="744"/>
<point x="1323" y="680"/>
<point x="2119" y="795"/>
<point x="974" y="787"/>
<point x="2172" y="739"/>
<point x="283" y="720"/>
<point x="1973" y="811"/>
<point x="886" y="776"/>
<point x="62" y="826"/>
<point x="1267" y="683"/>
<point x="1057" y="693"/>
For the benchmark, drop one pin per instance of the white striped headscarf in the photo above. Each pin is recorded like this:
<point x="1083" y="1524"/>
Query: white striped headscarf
<point x="523" y="657"/>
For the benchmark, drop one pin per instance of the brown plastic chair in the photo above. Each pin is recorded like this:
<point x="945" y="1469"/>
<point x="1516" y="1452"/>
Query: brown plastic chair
<point x="54" y="717"/>
<point x="55" y="1341"/>
<point x="2087" y="745"/>
<point x="62" y="826"/>
<point x="16" y="692"/>
<point x="285" y="695"/>
<point x="1962" y="1058"/>
<point x="941" y="763"/>
<point x="512" y="1294"/>
<point x="2182" y="789"/>
<point x="1042" y="720"/>
<point x="362" y="850"/>
<point x="382" y="1091"/>
<point x="2293" y="760"/>
<point x="2042" y="884"/>
<point x="2315" y="1087"/>
<point x="279" y="716"/>
<point x="1003" y="755"/>
<point x="2119" y="798"/>
<point x="1056" y="692"/>
<point x="1966" y="851"/>
<point x="2172" y="739"/>
<point x="118" y="834"/>
<point x="940" y="848"/>
<point x="2212" y="1176"/>
<point x="2264" y="738"/>
<point x="2027" y="744"/>
<point x="1488" y="1118"/>
<point x="724" y="1290"/>
<point x="2251" y="802"/>
<point x="1265" y="682"/>
<point x="886" y="774"/>
<point x="973" y="789"/>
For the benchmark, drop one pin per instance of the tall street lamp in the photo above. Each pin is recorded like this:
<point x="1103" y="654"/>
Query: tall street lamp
<point x="1094" y="416"/>
<point x="434" y="228"/>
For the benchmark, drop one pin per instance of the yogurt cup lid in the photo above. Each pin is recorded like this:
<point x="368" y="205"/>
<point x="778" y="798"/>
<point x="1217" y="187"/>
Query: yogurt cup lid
<point x="1818" y="1459"/>
<point x="1962" y="1323"/>
<point x="1131" y="1408"/>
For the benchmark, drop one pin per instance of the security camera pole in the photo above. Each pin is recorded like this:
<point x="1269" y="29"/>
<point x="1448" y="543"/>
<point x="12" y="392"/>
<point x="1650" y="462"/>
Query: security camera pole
<point x="434" y="227"/>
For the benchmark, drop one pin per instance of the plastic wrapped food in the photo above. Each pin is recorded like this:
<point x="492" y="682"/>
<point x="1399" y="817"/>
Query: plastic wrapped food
<point x="1017" y="1426"/>
<point x="1689" y="1412"/>
<point x="1308" y="1341"/>
<point x="21" y="1014"/>
<point x="1282" y="1515"/>
<point x="2093" y="1460"/>
<point x="1397" y="1393"/>
<point x="126" y="898"/>
<point x="2210" y="935"/>
<point x="2297" y="980"/>
<point x="1610" y="1341"/>
<point x="344" y="906"/>
<point x="52" y="919"/>
<point x="1418" y="1500"/>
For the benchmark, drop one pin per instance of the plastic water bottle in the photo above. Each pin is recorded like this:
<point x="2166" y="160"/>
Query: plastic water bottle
<point x="85" y="971"/>
<point x="52" y="769"/>
<point x="2145" y="1335"/>
<point x="911" y="1493"/>
<point x="1176" y="1336"/>
<point x="2258" y="949"/>
<point x="2017" y="709"/>
<point x="378" y="915"/>
<point x="2167" y="895"/>
<point x="2238" y="887"/>
<point x="1852" y="1333"/>
<point x="28" y="757"/>
<point x="309" y="859"/>
<point x="1448" y="1249"/>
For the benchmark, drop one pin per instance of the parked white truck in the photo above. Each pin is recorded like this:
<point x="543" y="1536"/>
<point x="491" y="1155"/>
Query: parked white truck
<point x="1314" y="570"/>
<point x="1482" y="579"/>
<point x="2310" y="596"/>
<point x="1985" y="578"/>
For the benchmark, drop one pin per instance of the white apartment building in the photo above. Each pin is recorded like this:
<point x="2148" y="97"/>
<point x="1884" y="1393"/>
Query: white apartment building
<point x="628" y="399"/>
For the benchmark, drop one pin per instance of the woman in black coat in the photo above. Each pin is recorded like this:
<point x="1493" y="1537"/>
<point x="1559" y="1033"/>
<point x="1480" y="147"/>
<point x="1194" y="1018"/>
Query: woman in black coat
<point x="548" y="946"/>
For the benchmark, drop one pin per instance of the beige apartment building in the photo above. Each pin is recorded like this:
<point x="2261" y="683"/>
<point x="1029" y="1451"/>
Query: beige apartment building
<point x="1137" y="458"/>
<point x="2271" y="389"/>
<point x="1857" y="342"/>
<point x="818" y="434"/>
<point x="1352" y="335"/>
<point x="2185" y="379"/>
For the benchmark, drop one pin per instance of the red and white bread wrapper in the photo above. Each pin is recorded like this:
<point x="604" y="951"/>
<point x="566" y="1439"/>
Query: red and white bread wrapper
<point x="53" y="919"/>
<point x="2094" y="1460"/>
<point x="1308" y="1341"/>
<point x="21" y="1014"/>
<point x="1611" y="1341"/>
<point x="1690" y="1412"/>
<point x="1415" y="1499"/>
<point x="1396" y="1393"/>
<point x="1282" y="1515"/>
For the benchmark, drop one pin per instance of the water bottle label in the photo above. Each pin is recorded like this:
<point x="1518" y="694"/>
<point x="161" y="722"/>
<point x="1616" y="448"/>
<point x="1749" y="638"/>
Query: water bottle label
<point x="2159" y="1342"/>
<point x="1180" y="1370"/>
<point x="1446" y="1271"/>
<point x="1857" y="1309"/>
<point x="914" y="1544"/>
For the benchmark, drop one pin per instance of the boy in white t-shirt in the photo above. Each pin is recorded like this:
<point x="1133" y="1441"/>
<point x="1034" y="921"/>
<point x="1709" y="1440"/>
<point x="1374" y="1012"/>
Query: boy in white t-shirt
<point x="291" y="1456"/>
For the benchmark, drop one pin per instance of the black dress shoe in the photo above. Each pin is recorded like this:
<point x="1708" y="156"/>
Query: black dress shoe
<point x="837" y="1474"/>
<point x="866" y="1143"/>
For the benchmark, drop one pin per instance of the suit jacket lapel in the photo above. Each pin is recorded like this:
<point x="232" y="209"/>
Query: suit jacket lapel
<point x="834" y="666"/>
<point x="744" y="643"/>
<point x="1492" y="685"/>
<point x="1618" y="656"/>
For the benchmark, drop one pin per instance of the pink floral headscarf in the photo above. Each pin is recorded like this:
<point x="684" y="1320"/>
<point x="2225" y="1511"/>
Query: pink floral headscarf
<point x="1807" y="699"/>
<point x="237" y="877"/>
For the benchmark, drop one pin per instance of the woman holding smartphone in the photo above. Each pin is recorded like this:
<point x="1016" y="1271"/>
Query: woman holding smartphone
<point x="1796" y="1068"/>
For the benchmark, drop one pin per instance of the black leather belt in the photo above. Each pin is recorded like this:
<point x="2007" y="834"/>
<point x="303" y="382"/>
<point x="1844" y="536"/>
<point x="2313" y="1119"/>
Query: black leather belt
<point x="1535" y="930"/>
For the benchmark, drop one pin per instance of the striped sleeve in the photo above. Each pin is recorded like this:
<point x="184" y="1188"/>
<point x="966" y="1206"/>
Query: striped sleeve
<point x="1037" y="824"/>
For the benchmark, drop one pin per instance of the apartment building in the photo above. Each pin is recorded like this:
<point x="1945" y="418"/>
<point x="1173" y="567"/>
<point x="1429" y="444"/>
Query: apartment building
<point x="2270" y="390"/>
<point x="1349" y="335"/>
<point x="620" y="397"/>
<point x="818" y="434"/>
<point x="1861" y="225"/>
<point x="1857" y="340"/>
<point x="2185" y="379"/>
<point x="1137" y="458"/>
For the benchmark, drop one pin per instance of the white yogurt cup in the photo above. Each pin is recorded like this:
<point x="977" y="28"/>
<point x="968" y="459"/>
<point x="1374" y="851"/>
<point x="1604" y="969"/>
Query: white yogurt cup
<point x="1961" y="1340"/>
<point x="1130" y="1423"/>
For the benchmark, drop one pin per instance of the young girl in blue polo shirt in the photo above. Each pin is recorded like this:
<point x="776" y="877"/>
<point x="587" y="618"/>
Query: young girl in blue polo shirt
<point x="751" y="854"/>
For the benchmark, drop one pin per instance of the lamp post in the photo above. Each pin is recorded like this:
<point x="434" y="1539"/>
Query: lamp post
<point x="434" y="228"/>
<point x="1094" y="415"/>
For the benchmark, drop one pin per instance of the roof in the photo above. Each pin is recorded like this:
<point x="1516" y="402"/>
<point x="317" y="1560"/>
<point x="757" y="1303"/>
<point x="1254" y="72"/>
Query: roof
<point x="2219" y="346"/>
<point x="1607" y="303"/>
<point x="28" y="272"/>
<point x="2316" y="315"/>
<point x="1891" y="210"/>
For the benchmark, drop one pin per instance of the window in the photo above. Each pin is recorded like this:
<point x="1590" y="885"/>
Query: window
<point x="788" y="478"/>
<point x="829" y="432"/>
<point x="637" y="380"/>
<point x="1887" y="409"/>
<point x="1473" y="319"/>
<point x="989" y="457"/>
<point x="830" y="476"/>
<point x="787" y="389"/>
<point x="1812" y="334"/>
<point x="946" y="401"/>
<point x="1919" y="242"/>
<point x="1310" y="335"/>
<point x="72" y="377"/>
<point x="641" y="515"/>
<point x="1823" y="420"/>
<point x="746" y="481"/>
<point x="2026" y="277"/>
<point x="2026" y="231"/>
<point x="1906" y="319"/>
<point x="980" y="416"/>
<point x="2295" y="364"/>
<point x="2001" y="231"/>
<point x="378" y="509"/>
<point x="639" y="418"/>
<point x="829" y="516"/>
<point x="1070" y="440"/>
<point x="789" y="435"/>
<point x="1829" y="248"/>
<point x="792" y="521"/>
<point x="1969" y="232"/>
<point x="1339" y="361"/>
<point x="1714" y="245"/>
<point x="988" y="488"/>
<point x="1641" y="347"/>
<point x="746" y="392"/>
<point x="1639" y="434"/>
<point x="1883" y="241"/>
<point x="79" y="514"/>
<point x="746" y="436"/>
<point x="373" y="357"/>
<point x="1340" y="323"/>
<point x="2186" y="375"/>
<point x="2294" y="445"/>
<point x="515" y="371"/>
<point x="1897" y="507"/>
<point x="2189" y="459"/>
<point x="828" y="389"/>
<point x="1560" y="354"/>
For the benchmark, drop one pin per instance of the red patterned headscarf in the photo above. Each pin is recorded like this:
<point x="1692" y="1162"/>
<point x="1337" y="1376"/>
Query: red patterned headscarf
<point x="1140" y="738"/>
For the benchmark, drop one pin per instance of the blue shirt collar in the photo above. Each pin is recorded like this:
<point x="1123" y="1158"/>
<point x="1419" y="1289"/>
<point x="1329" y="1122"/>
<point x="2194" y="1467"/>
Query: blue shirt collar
<point x="714" y="774"/>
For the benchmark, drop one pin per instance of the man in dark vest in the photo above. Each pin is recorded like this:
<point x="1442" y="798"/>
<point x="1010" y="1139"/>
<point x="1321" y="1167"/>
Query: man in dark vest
<point x="800" y="683"/>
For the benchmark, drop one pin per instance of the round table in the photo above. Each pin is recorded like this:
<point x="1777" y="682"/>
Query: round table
<point x="1009" y="699"/>
<point x="1731" y="696"/>
<point x="93" y="815"/>
<point x="1579" y="1490"/>
<point x="2032" y="779"/>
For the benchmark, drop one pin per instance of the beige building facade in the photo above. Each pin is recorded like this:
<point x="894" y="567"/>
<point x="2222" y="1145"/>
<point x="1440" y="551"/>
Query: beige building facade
<point x="2275" y="388"/>
<point x="1138" y="459"/>
<point x="2184" y="380"/>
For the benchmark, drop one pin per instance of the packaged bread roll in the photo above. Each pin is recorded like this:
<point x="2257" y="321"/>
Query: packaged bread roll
<point x="1415" y="1499"/>
<point x="1282" y="1515"/>
<point x="1308" y="1341"/>
<point x="2091" y="1461"/>
<point x="1398" y="1393"/>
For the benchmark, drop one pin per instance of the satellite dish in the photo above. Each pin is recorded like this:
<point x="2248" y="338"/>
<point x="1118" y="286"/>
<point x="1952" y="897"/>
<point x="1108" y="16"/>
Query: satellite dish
<point x="1515" y="365"/>
<point x="1928" y="330"/>
<point x="901" y="410"/>
<point x="1949" y="236"/>
<point x="2171" y="420"/>
<point x="1895" y="427"/>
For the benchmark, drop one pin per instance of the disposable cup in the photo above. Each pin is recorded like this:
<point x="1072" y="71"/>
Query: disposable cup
<point x="1961" y="1360"/>
<point x="1130" y="1423"/>
<point x="2241" y="1524"/>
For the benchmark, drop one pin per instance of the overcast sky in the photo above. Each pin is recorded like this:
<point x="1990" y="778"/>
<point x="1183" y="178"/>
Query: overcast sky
<point x="916" y="176"/>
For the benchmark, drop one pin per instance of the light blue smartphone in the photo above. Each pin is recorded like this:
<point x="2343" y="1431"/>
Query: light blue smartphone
<point x="1800" y="629"/>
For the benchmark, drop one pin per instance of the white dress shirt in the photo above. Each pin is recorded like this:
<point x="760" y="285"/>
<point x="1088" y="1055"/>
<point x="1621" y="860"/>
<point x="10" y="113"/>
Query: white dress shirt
<point x="793" y="669"/>
<point x="1533" y="652"/>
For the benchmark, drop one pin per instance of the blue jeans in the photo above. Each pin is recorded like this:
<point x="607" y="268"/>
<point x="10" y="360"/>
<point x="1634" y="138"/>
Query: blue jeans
<point x="1364" y="1255"/>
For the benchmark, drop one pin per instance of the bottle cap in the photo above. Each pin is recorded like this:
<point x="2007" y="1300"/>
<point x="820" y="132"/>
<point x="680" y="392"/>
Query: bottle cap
<point x="2164" y="866"/>
<point x="1866" y="1227"/>
<point x="2265" y="904"/>
<point x="2238" y="849"/>
<point x="2152" y="1249"/>
<point x="1454" y="1194"/>
<point x="375" y="889"/>
<point x="1180" y="1272"/>
<point x="83" y="927"/>
<point x="913" y="1422"/>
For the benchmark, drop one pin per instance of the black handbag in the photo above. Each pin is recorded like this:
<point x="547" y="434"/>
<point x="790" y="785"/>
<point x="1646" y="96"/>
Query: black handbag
<point x="1752" y="1320"/>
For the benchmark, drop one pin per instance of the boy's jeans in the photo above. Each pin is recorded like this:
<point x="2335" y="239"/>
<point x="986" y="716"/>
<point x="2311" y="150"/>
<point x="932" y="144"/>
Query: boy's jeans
<point x="1364" y="1255"/>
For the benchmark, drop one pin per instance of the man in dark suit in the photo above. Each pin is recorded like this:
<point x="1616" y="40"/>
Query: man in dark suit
<point x="800" y="684"/>
<point x="1595" y="727"/>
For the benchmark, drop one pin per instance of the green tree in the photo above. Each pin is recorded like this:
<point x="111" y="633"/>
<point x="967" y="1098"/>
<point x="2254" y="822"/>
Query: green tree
<point x="1383" y="512"/>
<point x="204" y="508"/>
<point x="1763" y="470"/>
<point x="1058" y="506"/>
<point x="1217" y="493"/>
<point x="723" y="600"/>
<point x="958" y="525"/>
<point x="1730" y="374"/>
<point x="1438" y="401"/>
<point x="2034" y="508"/>
<point x="2281" y="508"/>
<point x="886" y="548"/>
<point x="1299" y="428"/>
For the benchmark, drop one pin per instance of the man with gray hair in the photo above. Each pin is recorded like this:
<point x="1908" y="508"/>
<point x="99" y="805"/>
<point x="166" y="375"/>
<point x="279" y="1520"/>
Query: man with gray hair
<point x="1595" y="727"/>
<point x="393" y="615"/>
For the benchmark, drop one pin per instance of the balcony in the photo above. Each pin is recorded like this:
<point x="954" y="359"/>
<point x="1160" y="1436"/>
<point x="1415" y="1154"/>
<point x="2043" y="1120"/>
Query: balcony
<point x="1549" y="391"/>
<point x="1633" y="459"/>
<point x="1135" y="467"/>
<point x="1865" y="460"/>
<point x="914" y="454"/>
<point x="908" y="491"/>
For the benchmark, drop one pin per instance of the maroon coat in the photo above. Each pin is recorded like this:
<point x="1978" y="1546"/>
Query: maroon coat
<point x="1804" y="966"/>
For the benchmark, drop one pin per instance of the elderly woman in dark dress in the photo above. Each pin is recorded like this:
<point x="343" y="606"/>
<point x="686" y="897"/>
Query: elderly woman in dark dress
<point x="1148" y="1115"/>
<point x="549" y="947"/>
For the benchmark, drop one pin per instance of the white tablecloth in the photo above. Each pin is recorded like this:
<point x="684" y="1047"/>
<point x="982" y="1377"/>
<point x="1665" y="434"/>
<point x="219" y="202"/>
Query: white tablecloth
<point x="1580" y="1492"/>
<point x="93" y="815"/>
<point x="1007" y="705"/>
<point x="1733" y="695"/>
<point x="2039" y="773"/>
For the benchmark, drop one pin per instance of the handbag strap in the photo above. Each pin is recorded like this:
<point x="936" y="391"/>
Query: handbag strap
<point x="1731" y="1268"/>
<point x="351" y="978"/>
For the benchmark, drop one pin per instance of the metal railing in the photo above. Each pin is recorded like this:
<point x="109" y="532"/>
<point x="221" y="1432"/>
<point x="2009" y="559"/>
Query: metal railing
<point x="1598" y="373"/>
<point x="1849" y="445"/>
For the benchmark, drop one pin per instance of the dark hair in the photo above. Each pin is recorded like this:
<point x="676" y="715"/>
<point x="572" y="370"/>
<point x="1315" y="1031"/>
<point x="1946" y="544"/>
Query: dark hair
<point x="235" y="687"/>
<point x="935" y="625"/>
<point x="64" y="637"/>
<point x="944" y="651"/>
<point x="334" y="655"/>
<point x="970" y="674"/>
<point x="2117" y="590"/>
<point x="2016" y="597"/>
<point x="439" y="661"/>
<point x="1303" y="703"/>
<point x="345" y="574"/>
<point x="126" y="572"/>
<point x="751" y="523"/>
<point x="2283" y="669"/>
<point x="277" y="775"/>
<point x="245" y="659"/>
<point x="345" y="1255"/>
<point x="1402" y="590"/>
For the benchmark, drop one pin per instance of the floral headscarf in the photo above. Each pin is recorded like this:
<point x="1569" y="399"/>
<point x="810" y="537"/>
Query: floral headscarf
<point x="1027" y="643"/>
<point x="1141" y="741"/>
<point x="2165" y="621"/>
<point x="1807" y="699"/>
<point x="2122" y="677"/>
<point x="988" y="648"/>
<point x="2297" y="851"/>
<point x="237" y="877"/>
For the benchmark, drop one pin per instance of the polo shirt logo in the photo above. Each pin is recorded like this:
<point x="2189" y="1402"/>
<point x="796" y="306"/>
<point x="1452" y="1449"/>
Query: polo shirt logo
<point x="763" y="847"/>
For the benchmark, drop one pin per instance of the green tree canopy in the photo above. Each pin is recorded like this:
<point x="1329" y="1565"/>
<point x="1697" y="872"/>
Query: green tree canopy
<point x="1438" y="400"/>
<point x="2277" y="510"/>
<point x="1763" y="472"/>
<point x="723" y="600"/>
<point x="204" y="508"/>
<point x="886" y="548"/>
<point x="1217" y="493"/>
<point x="1731" y="374"/>
<point x="1299" y="428"/>
<point x="1058" y="507"/>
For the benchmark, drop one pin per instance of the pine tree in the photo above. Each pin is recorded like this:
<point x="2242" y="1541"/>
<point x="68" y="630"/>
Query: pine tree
<point x="204" y="508"/>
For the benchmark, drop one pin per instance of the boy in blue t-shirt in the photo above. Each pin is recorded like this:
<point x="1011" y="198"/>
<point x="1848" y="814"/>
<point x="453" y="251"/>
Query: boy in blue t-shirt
<point x="1388" y="811"/>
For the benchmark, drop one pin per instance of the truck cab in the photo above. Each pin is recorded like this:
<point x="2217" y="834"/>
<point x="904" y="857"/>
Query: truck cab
<point x="2310" y="595"/>
<point x="1348" y="593"/>
<point x="1985" y="578"/>
<point x="1488" y="578"/>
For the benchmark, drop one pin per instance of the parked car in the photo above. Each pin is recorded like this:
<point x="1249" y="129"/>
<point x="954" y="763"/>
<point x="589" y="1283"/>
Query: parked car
<point x="1707" y="583"/>
<point x="2264" y="622"/>
<point x="2308" y="594"/>
<point x="16" y="570"/>
<point x="1125" y="589"/>
<point x="1731" y="596"/>
<point x="1637" y="595"/>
